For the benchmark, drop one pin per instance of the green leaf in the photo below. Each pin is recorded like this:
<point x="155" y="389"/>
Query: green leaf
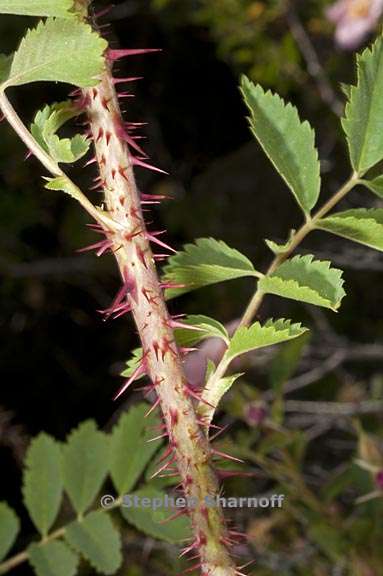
<point x="307" y="280"/>
<point x="63" y="184"/>
<point x="363" y="121"/>
<point x="329" y="539"/>
<point x="288" y="142"/>
<point x="148" y="520"/>
<point x="46" y="123"/>
<point x="346" y="89"/>
<point x="43" y="484"/>
<point x="350" y="475"/>
<point x="9" y="528"/>
<point x="58" y="8"/>
<point x="279" y="248"/>
<point x="60" y="51"/>
<point x="52" y="559"/>
<point x="361" y="225"/>
<point x="206" y="327"/>
<point x="85" y="464"/>
<point x="130" y="450"/>
<point x="206" y="262"/>
<point x="375" y="185"/>
<point x="97" y="540"/>
<point x="257" y="336"/>
<point x="133" y="363"/>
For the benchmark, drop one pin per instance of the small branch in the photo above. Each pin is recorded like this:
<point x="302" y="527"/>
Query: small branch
<point x="13" y="562"/>
<point x="49" y="267"/>
<point x="334" y="408"/>
<point x="258" y="296"/>
<point x="311" y="376"/>
<point x="49" y="163"/>
<point x="11" y="115"/>
<point x="314" y="67"/>
<point x="296" y="240"/>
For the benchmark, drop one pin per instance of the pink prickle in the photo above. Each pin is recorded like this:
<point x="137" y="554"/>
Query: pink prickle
<point x="138" y="162"/>
<point x="155" y="405"/>
<point x="122" y="53"/>
<point x="226" y="456"/>
<point x="100" y="247"/>
<point x="152" y="236"/>
<point x="138" y="372"/>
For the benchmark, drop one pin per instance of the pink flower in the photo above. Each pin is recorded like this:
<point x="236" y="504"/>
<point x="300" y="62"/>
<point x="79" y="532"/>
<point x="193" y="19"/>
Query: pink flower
<point x="354" y="19"/>
<point x="255" y="413"/>
<point x="379" y="479"/>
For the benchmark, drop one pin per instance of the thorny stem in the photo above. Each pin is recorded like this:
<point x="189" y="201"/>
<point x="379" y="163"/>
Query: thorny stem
<point x="189" y="450"/>
<point x="256" y="301"/>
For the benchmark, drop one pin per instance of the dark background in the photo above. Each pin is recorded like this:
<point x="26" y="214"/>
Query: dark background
<point x="59" y="361"/>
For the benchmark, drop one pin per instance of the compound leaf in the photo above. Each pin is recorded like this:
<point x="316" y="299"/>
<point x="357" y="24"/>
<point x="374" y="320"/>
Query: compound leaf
<point x="288" y="142"/>
<point x="46" y="123"/>
<point x="205" y="262"/>
<point x="52" y="559"/>
<point x="9" y="528"/>
<point x="96" y="538"/>
<point x="363" y="120"/>
<point x="362" y="225"/>
<point x="60" y="51"/>
<point x="58" y="8"/>
<point x="129" y="447"/>
<point x="85" y="464"/>
<point x="307" y="280"/>
<point x="256" y="336"/>
<point x="43" y="484"/>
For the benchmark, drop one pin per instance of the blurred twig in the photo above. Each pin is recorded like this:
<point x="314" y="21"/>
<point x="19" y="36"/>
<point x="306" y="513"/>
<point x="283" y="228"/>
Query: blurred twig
<point x="12" y="436"/>
<point x="314" y="67"/>
<point x="334" y="408"/>
<point x="49" y="266"/>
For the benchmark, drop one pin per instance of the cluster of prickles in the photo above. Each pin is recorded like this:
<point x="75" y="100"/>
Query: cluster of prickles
<point x="189" y="454"/>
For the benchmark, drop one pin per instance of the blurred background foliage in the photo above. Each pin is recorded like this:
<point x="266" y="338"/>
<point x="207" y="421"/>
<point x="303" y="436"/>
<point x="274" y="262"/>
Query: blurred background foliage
<point x="297" y="417"/>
